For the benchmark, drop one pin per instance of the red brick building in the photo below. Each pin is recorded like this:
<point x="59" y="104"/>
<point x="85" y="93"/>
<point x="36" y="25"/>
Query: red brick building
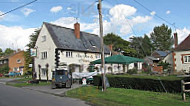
<point x="16" y="62"/>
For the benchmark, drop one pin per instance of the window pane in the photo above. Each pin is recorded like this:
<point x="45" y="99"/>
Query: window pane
<point x="185" y="58"/>
<point x="188" y="58"/>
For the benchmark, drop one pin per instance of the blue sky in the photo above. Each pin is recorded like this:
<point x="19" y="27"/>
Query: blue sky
<point x="124" y="17"/>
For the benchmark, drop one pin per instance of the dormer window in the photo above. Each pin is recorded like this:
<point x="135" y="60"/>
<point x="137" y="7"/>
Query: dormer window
<point x="92" y="43"/>
<point x="44" y="38"/>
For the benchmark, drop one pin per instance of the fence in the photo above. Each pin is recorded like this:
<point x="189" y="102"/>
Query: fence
<point x="183" y="90"/>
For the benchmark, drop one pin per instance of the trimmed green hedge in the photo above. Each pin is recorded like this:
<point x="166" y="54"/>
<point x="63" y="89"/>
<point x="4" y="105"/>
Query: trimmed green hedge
<point x="151" y="83"/>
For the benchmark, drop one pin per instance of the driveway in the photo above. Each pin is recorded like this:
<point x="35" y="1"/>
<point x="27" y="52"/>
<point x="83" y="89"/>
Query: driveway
<point x="14" y="96"/>
<point x="47" y="89"/>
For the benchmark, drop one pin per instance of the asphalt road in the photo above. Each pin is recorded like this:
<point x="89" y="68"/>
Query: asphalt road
<point x="13" y="96"/>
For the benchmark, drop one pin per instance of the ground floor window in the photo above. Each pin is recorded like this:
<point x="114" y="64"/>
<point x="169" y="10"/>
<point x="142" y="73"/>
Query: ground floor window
<point x="44" y="71"/>
<point x="186" y="59"/>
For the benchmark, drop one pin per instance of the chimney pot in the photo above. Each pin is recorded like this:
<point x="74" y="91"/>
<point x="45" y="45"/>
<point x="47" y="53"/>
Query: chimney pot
<point x="175" y="40"/>
<point x="77" y="30"/>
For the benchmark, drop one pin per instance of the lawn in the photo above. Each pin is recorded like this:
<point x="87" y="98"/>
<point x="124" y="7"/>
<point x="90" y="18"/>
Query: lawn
<point x="24" y="82"/>
<point x="127" y="97"/>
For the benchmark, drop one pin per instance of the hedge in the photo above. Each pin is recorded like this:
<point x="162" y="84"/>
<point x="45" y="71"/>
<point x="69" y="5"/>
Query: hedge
<point x="171" y="84"/>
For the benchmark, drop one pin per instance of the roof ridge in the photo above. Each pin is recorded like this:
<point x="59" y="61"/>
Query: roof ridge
<point x="67" y="28"/>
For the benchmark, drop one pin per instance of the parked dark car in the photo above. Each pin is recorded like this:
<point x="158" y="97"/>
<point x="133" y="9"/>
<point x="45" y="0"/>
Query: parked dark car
<point x="61" y="78"/>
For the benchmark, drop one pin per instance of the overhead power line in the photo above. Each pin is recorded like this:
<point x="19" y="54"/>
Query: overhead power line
<point x="18" y="8"/>
<point x="155" y="14"/>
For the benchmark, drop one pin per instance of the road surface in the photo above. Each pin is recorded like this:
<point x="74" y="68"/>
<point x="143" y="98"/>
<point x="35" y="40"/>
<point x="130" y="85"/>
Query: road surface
<point x="13" y="96"/>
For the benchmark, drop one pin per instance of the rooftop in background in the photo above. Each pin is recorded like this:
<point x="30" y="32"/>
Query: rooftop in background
<point x="184" y="45"/>
<point x="162" y="53"/>
<point x="64" y="38"/>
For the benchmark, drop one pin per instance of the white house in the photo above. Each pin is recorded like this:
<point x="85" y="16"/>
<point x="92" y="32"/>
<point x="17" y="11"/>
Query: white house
<point x="181" y="56"/>
<point x="57" y="44"/>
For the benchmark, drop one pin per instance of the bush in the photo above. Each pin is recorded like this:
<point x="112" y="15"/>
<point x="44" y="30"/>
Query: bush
<point x="171" y="84"/>
<point x="4" y="69"/>
<point x="132" y="71"/>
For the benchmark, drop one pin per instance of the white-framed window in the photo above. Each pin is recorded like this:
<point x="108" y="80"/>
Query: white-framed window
<point x="186" y="59"/>
<point x="69" y="54"/>
<point x="18" y="61"/>
<point x="43" y="38"/>
<point x="44" y="55"/>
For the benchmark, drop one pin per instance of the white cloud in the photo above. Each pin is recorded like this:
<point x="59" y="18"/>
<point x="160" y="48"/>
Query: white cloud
<point x="56" y="9"/>
<point x="65" y="21"/>
<point x="27" y="11"/>
<point x="140" y="19"/>
<point x="182" y="34"/>
<point x="118" y="23"/>
<point x="14" y="37"/>
<point x="168" y="12"/>
<point x="122" y="11"/>
<point x="69" y="8"/>
<point x="153" y="13"/>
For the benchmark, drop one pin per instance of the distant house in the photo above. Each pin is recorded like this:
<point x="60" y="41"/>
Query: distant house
<point x="181" y="56"/>
<point x="151" y="60"/>
<point x="155" y="58"/>
<point x="4" y="60"/>
<point x="16" y="62"/>
<point x="56" y="44"/>
<point x="159" y="54"/>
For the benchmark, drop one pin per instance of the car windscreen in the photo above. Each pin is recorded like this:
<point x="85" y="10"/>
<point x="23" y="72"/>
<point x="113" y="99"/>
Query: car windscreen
<point x="61" y="72"/>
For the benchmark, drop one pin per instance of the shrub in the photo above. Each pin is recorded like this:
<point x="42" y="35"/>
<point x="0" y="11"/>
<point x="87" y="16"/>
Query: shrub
<point x="4" y="69"/>
<point x="171" y="84"/>
<point x="132" y="71"/>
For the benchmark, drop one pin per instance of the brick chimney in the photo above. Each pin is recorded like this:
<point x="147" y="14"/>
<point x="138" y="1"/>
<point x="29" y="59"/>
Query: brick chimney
<point x="175" y="40"/>
<point x="77" y="30"/>
<point x="111" y="47"/>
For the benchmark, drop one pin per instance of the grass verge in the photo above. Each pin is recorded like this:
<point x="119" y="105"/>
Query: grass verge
<point x="126" y="97"/>
<point x="24" y="82"/>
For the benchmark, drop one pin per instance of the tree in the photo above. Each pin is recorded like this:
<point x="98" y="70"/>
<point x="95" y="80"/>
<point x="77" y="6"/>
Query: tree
<point x="161" y="37"/>
<point x="28" y="58"/>
<point x="8" y="51"/>
<point x="142" y="45"/>
<point x="119" y="44"/>
<point x="4" y="69"/>
<point x="1" y="52"/>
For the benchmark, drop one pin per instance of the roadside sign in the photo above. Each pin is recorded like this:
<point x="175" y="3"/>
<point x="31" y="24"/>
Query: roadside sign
<point x="33" y="52"/>
<point x="30" y="65"/>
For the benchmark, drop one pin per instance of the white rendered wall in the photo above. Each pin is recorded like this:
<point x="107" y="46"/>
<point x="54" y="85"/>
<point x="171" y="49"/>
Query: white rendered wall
<point x="179" y="65"/>
<point x="48" y="46"/>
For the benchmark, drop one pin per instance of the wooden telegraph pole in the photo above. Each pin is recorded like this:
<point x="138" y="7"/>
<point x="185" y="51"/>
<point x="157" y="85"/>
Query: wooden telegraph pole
<point x="102" y="45"/>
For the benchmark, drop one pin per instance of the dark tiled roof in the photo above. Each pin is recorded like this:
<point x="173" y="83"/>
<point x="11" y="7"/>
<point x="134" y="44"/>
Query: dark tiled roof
<point x="162" y="53"/>
<point x="184" y="45"/>
<point x="6" y="57"/>
<point x="64" y="38"/>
